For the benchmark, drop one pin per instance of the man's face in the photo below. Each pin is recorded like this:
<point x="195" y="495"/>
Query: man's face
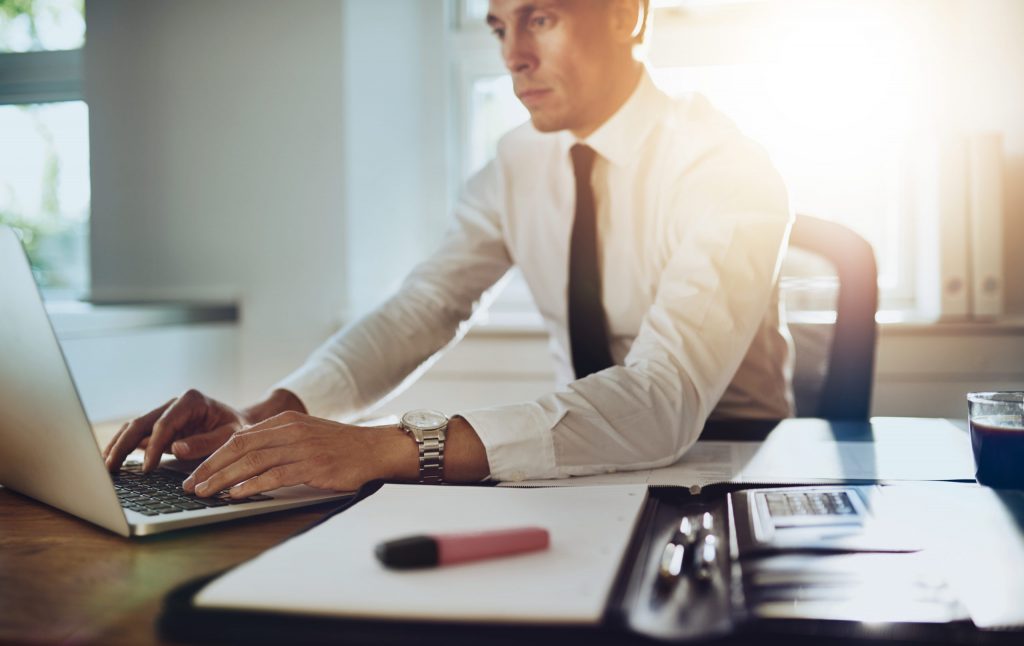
<point x="560" y="55"/>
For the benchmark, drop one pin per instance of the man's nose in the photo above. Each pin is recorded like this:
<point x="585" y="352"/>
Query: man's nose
<point x="517" y="50"/>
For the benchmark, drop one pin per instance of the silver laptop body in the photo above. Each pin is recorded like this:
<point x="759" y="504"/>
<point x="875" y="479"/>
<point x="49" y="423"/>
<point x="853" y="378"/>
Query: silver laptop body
<point x="47" y="447"/>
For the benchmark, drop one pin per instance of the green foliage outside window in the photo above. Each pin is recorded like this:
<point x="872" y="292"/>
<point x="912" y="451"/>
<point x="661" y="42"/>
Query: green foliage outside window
<point x="48" y="222"/>
<point x="44" y="228"/>
<point x="33" y="12"/>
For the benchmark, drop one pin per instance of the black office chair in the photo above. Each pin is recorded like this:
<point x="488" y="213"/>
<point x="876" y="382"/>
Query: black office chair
<point x="845" y="388"/>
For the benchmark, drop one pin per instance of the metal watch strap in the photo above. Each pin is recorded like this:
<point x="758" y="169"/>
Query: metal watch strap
<point x="432" y="456"/>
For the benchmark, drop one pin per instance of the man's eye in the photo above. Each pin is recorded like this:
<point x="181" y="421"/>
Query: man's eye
<point x="540" y="22"/>
<point x="498" y="33"/>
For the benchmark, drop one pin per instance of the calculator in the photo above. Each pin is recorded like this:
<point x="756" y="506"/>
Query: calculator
<point x="807" y="517"/>
<point x="807" y="507"/>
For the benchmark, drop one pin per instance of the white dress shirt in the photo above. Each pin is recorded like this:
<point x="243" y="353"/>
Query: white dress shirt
<point x="692" y="223"/>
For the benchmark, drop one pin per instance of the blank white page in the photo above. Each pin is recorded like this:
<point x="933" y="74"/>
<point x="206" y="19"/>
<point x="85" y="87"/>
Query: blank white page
<point x="805" y="450"/>
<point x="332" y="569"/>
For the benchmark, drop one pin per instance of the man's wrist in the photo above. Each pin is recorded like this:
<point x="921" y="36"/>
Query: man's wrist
<point x="400" y="453"/>
<point x="465" y="457"/>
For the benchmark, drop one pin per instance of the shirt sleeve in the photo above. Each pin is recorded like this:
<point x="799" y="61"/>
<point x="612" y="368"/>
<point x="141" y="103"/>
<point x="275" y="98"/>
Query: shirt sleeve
<point x="711" y="297"/>
<point x="363" y="363"/>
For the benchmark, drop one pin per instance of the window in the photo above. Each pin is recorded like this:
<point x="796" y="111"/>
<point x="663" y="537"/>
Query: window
<point x="44" y="148"/>
<point x="833" y="91"/>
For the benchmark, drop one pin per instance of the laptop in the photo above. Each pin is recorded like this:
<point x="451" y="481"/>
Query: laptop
<point x="48" y="450"/>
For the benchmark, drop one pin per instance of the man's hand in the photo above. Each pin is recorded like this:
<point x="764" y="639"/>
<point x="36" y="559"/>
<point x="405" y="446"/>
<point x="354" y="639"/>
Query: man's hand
<point x="191" y="426"/>
<point x="294" y="448"/>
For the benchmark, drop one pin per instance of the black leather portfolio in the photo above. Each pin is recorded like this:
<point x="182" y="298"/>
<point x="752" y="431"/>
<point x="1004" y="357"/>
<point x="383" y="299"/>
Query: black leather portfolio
<point x="731" y="564"/>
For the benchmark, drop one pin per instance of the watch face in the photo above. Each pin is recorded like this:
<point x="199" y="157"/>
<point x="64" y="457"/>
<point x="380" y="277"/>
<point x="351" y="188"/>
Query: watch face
<point x="425" y="419"/>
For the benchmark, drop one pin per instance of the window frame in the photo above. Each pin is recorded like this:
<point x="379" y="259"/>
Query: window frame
<point x="41" y="77"/>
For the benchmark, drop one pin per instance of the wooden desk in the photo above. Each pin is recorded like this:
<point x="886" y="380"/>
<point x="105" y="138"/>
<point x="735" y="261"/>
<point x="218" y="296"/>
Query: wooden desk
<point x="65" y="580"/>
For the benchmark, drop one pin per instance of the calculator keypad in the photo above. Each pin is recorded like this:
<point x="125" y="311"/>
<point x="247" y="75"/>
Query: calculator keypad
<point x="798" y="508"/>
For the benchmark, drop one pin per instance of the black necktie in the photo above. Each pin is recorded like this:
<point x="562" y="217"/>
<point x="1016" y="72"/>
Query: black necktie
<point x="588" y="329"/>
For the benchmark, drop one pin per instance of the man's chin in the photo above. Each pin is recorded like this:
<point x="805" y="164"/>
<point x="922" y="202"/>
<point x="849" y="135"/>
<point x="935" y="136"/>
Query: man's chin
<point x="546" y="123"/>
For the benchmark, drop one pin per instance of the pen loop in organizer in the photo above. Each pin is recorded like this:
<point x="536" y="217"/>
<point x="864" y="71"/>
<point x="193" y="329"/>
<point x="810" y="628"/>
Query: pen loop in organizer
<point x="687" y="533"/>
<point x="674" y="556"/>
<point x="706" y="555"/>
<point x="672" y="562"/>
<point x="692" y="551"/>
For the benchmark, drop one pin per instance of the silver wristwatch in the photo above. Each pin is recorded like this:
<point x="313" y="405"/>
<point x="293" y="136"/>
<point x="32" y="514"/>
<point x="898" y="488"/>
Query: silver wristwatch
<point x="428" y="428"/>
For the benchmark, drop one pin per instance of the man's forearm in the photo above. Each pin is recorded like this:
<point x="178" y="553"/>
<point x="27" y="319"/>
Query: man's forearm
<point x="279" y="401"/>
<point x="465" y="457"/>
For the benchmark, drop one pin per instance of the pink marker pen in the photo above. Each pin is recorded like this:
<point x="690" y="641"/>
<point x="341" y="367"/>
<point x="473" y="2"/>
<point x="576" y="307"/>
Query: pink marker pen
<point x="445" y="549"/>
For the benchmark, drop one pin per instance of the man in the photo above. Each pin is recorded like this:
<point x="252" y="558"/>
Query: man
<point x="649" y="232"/>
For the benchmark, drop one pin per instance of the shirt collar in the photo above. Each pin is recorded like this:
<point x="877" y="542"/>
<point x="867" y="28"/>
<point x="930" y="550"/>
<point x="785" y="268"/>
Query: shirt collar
<point x="619" y="138"/>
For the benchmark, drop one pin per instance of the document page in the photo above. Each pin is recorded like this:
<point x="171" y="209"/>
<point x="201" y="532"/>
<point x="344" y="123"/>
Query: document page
<point x="704" y="463"/>
<point x="808" y="451"/>
<point x="332" y="569"/>
<point x="975" y="537"/>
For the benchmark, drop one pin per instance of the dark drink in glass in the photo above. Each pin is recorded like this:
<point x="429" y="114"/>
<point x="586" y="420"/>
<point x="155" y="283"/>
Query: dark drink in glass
<point x="997" y="437"/>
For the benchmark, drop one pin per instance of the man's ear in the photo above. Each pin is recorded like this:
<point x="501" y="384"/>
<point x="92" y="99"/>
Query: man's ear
<point x="626" y="19"/>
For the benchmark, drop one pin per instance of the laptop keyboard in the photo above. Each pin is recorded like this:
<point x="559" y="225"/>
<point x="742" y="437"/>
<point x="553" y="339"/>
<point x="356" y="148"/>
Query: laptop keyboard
<point x="160" y="492"/>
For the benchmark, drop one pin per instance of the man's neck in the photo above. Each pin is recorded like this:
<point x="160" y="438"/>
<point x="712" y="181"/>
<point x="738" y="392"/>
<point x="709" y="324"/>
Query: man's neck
<point x="628" y="79"/>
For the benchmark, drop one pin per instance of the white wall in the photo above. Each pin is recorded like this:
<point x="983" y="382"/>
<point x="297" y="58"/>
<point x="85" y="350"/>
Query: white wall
<point x="396" y="153"/>
<point x="122" y="373"/>
<point x="287" y="155"/>
<point x="217" y="164"/>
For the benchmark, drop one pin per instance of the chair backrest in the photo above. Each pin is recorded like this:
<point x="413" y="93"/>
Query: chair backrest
<point x="849" y="374"/>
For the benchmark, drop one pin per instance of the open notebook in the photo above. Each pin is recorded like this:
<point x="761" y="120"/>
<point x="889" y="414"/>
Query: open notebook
<point x="331" y="570"/>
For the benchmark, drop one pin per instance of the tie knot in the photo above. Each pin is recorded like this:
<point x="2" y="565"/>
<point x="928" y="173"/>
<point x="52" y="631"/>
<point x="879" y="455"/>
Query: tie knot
<point x="582" y="159"/>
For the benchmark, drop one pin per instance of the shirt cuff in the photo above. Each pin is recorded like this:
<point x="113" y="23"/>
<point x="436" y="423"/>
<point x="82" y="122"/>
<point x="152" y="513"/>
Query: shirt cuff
<point x="321" y="389"/>
<point x="517" y="439"/>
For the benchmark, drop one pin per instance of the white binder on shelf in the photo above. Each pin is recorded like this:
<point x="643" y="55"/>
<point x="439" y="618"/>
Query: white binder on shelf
<point x="985" y="199"/>
<point x="943" y="230"/>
